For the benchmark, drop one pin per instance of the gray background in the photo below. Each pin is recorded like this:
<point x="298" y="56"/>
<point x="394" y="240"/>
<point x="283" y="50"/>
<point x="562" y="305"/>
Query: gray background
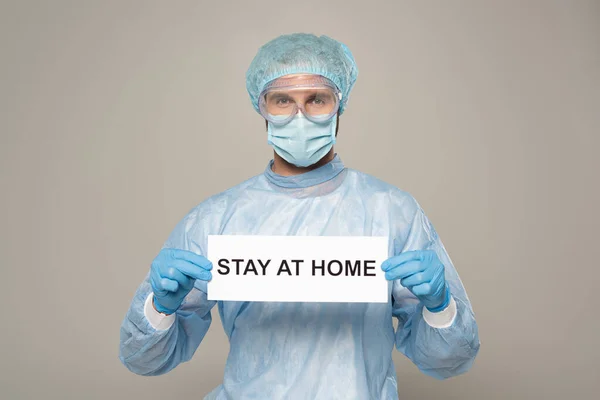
<point x="117" y="117"/>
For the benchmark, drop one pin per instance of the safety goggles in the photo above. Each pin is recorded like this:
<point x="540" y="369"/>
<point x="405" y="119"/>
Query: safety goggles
<point x="315" y="96"/>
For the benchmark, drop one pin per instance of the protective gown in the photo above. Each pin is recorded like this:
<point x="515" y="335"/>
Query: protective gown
<point x="308" y="350"/>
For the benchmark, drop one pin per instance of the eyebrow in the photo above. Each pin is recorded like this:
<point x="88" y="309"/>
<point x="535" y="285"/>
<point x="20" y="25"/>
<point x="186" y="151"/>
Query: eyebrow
<point x="278" y="95"/>
<point x="308" y="94"/>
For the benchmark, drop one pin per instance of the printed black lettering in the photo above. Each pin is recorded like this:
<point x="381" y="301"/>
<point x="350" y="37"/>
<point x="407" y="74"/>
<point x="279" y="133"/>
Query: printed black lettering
<point x="264" y="266"/>
<point x="286" y="269"/>
<point x="223" y="263"/>
<point x="367" y="267"/>
<point x="237" y="262"/>
<point x="322" y="267"/>
<point x="350" y="271"/>
<point x="339" y="263"/>
<point x="297" y="262"/>
<point x="250" y="268"/>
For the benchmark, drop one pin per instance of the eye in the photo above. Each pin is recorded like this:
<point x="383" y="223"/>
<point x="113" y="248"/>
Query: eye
<point x="318" y="101"/>
<point x="280" y="101"/>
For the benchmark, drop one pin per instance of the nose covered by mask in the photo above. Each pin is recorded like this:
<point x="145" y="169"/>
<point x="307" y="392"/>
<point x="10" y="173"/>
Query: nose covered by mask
<point x="302" y="142"/>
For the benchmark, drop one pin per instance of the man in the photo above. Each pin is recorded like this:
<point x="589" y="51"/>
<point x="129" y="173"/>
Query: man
<point x="300" y="84"/>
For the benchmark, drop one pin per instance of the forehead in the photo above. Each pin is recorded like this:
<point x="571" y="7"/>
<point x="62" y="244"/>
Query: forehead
<point x="300" y="93"/>
<point x="299" y="81"/>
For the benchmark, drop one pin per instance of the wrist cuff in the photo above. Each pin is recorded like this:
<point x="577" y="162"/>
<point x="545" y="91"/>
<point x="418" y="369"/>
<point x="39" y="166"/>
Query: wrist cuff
<point x="441" y="319"/>
<point x="157" y="320"/>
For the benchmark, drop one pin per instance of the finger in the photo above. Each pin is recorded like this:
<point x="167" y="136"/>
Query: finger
<point x="424" y="289"/>
<point x="405" y="270"/>
<point x="193" y="258"/>
<point x="171" y="271"/>
<point x="426" y="275"/>
<point x="400" y="259"/>
<point x="171" y="279"/>
<point x="154" y="273"/>
<point x="157" y="285"/>
<point x="169" y="285"/>
<point x="153" y="284"/>
<point x="191" y="270"/>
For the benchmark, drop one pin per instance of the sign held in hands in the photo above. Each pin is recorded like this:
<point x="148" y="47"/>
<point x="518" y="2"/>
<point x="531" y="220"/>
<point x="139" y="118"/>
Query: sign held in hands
<point x="298" y="268"/>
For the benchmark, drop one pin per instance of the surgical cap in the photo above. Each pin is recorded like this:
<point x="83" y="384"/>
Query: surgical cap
<point x="302" y="53"/>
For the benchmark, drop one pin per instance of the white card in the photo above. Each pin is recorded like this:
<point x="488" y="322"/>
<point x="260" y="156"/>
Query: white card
<point x="298" y="268"/>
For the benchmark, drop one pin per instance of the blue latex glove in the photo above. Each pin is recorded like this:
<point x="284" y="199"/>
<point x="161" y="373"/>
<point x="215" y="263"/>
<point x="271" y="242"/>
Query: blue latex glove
<point x="422" y="273"/>
<point x="172" y="276"/>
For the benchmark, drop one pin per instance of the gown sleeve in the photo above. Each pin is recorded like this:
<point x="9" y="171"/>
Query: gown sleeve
<point x="440" y="352"/>
<point x="147" y="349"/>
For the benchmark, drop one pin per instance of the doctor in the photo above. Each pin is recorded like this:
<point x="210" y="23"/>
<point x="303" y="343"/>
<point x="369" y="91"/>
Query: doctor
<point x="300" y="85"/>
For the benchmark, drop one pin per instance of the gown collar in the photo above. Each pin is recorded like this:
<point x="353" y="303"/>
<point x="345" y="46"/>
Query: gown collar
<point x="307" y="179"/>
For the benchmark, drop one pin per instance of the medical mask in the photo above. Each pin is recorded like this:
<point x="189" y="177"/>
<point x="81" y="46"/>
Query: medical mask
<point x="302" y="142"/>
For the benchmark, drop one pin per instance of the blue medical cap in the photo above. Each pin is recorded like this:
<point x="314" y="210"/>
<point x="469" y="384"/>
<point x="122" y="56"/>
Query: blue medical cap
<point x="302" y="53"/>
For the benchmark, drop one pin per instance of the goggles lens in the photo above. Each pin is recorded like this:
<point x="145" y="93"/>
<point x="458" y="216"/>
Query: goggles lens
<point x="316" y="98"/>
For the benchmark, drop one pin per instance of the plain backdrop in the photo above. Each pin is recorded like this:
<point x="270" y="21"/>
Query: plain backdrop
<point x="118" y="117"/>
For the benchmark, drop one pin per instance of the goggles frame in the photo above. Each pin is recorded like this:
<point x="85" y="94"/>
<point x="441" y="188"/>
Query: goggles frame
<point x="299" y="82"/>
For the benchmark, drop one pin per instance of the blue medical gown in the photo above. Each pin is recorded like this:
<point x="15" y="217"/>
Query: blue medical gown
<point x="308" y="350"/>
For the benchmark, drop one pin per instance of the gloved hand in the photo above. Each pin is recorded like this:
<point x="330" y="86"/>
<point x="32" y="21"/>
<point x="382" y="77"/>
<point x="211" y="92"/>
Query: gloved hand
<point x="172" y="276"/>
<point x="422" y="273"/>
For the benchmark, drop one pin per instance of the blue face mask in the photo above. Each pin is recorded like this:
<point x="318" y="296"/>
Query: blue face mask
<point x="302" y="142"/>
